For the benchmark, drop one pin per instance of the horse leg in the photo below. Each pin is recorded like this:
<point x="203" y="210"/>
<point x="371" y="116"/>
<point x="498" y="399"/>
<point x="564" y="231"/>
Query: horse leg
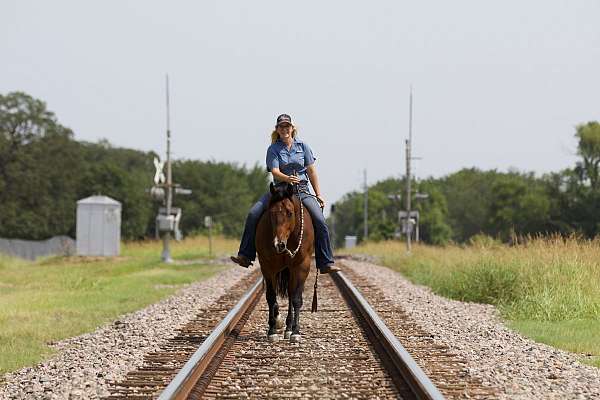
<point x="278" y="319"/>
<point x="289" y="319"/>
<point x="279" y="323"/>
<point x="273" y="312"/>
<point x="297" y="303"/>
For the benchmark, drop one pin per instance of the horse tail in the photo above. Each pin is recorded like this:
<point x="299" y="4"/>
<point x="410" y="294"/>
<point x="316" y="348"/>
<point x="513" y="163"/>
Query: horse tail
<point x="282" y="280"/>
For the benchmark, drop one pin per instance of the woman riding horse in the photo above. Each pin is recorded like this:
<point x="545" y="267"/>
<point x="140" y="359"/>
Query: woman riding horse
<point x="292" y="161"/>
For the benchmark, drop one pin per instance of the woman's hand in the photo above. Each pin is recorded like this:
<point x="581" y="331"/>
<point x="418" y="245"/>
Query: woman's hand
<point x="294" y="180"/>
<point x="321" y="201"/>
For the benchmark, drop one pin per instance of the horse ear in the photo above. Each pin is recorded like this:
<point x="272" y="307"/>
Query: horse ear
<point x="290" y="190"/>
<point x="272" y="188"/>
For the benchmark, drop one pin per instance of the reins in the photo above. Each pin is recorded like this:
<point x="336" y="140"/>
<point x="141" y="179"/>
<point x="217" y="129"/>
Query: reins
<point x="292" y="254"/>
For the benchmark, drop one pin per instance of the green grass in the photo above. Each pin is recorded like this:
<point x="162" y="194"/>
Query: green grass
<point x="52" y="299"/>
<point x="577" y="336"/>
<point x="547" y="289"/>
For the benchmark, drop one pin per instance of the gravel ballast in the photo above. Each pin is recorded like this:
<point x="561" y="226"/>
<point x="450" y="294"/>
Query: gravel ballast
<point x="334" y="359"/>
<point x="86" y="364"/>
<point x="500" y="357"/>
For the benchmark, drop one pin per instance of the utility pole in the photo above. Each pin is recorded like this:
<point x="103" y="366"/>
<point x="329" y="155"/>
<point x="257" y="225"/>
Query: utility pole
<point x="208" y="224"/>
<point x="333" y="235"/>
<point x="166" y="254"/>
<point x="366" y="211"/>
<point x="408" y="177"/>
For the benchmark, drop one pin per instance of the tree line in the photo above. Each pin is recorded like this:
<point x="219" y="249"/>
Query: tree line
<point x="44" y="171"/>
<point x="499" y="204"/>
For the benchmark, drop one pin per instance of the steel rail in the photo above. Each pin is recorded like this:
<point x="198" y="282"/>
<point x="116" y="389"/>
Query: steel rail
<point x="186" y="378"/>
<point x="419" y="383"/>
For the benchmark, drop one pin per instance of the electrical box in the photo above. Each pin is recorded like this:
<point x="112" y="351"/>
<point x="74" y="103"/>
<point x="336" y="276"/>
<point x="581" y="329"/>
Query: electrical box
<point x="169" y="223"/>
<point x="166" y="223"/>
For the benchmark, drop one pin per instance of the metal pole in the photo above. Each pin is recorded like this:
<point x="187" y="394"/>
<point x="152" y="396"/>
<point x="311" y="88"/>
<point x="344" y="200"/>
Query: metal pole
<point x="210" y="241"/>
<point x="417" y="233"/>
<point x="166" y="254"/>
<point x="366" y="211"/>
<point x="408" y="177"/>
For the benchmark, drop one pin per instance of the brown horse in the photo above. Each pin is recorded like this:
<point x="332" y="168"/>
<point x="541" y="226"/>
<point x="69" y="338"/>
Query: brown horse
<point x="285" y="225"/>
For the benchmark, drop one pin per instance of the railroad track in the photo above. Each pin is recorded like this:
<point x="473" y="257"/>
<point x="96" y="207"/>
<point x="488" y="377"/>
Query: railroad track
<point x="346" y="351"/>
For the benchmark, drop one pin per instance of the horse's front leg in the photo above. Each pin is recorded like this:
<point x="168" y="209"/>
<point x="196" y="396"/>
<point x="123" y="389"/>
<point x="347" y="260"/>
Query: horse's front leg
<point x="289" y="320"/>
<point x="296" y="300"/>
<point x="273" y="311"/>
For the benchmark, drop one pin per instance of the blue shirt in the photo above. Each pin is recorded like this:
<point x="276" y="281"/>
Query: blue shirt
<point x="294" y="160"/>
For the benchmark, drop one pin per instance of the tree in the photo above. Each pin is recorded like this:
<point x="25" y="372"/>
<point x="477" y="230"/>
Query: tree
<point x="467" y="194"/>
<point x="520" y="204"/>
<point x="434" y="226"/>
<point x="38" y="167"/>
<point x="384" y="206"/>
<point x="225" y="191"/>
<point x="588" y="147"/>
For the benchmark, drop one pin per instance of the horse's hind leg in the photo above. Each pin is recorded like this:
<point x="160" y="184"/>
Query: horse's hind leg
<point x="297" y="303"/>
<point x="273" y="311"/>
<point x="289" y="319"/>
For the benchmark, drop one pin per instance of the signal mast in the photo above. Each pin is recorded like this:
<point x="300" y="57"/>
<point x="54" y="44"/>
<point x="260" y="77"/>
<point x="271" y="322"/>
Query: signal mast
<point x="167" y="220"/>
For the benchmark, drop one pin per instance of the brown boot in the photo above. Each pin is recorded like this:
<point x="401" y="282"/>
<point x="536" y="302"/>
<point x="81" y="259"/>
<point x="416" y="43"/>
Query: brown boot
<point x="241" y="260"/>
<point x="329" y="268"/>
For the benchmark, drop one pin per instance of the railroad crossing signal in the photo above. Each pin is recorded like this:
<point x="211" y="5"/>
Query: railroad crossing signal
<point x="408" y="222"/>
<point x="167" y="220"/>
<point x="159" y="175"/>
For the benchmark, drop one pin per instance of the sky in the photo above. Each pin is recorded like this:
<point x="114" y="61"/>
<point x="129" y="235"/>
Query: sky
<point x="497" y="85"/>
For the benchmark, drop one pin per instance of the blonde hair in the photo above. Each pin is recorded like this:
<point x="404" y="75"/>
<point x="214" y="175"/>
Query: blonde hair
<point x="275" y="135"/>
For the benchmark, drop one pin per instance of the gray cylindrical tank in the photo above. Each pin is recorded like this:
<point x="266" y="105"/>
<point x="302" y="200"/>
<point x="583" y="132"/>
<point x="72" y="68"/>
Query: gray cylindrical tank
<point x="98" y="226"/>
<point x="349" y="242"/>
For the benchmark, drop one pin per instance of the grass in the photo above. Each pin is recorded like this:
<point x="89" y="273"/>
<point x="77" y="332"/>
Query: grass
<point x="55" y="298"/>
<point x="576" y="336"/>
<point x="547" y="288"/>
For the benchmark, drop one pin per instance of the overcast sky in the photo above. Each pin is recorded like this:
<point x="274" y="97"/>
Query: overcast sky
<point x="496" y="84"/>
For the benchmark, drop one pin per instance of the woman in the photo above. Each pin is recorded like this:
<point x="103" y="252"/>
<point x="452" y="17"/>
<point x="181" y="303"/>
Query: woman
<point x="290" y="160"/>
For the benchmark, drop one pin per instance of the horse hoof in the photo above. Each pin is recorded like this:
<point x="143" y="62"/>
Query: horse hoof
<point x="279" y="324"/>
<point x="287" y="334"/>
<point x="273" y="338"/>
<point x="295" y="338"/>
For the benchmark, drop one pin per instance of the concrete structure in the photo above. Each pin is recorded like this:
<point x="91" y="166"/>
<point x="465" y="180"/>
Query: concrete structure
<point x="98" y="226"/>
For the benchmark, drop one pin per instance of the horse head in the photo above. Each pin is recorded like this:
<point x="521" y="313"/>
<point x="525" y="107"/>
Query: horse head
<point x="283" y="215"/>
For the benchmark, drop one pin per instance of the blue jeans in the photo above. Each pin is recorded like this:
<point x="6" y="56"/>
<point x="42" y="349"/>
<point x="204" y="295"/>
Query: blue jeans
<point x="323" y="252"/>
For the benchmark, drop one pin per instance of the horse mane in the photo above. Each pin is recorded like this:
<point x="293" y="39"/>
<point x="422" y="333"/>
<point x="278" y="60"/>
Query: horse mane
<point x="280" y="192"/>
